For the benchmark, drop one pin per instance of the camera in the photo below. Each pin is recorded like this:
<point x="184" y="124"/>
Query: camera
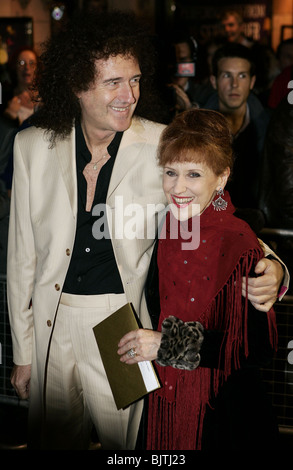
<point x="185" y="69"/>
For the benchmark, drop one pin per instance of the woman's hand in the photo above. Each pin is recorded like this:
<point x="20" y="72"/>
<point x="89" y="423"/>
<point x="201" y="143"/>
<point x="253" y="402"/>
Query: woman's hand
<point x="144" y="343"/>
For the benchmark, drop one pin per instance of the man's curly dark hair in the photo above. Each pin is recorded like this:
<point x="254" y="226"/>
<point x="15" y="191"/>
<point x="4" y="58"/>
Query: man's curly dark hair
<point x="67" y="66"/>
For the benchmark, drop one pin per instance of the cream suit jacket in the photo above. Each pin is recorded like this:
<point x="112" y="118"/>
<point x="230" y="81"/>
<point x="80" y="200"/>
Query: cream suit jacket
<point x="43" y="225"/>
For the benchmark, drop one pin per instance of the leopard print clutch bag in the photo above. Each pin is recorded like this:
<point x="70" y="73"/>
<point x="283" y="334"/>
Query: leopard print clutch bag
<point x="180" y="344"/>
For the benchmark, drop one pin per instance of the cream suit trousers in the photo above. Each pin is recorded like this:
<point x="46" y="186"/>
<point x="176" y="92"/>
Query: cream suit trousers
<point x="77" y="389"/>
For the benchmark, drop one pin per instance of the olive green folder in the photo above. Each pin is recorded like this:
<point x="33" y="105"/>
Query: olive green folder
<point x="128" y="383"/>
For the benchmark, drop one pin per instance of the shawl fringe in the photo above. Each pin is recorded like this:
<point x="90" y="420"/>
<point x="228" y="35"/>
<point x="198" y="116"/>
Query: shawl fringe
<point x="228" y="312"/>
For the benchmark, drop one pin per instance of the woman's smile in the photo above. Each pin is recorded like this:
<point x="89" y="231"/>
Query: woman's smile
<point x="181" y="201"/>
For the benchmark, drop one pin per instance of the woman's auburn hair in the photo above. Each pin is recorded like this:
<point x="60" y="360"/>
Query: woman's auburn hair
<point x="200" y="136"/>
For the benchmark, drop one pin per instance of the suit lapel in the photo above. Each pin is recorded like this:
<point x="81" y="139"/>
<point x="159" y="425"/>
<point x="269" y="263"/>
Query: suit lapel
<point x="131" y="144"/>
<point x="65" y="150"/>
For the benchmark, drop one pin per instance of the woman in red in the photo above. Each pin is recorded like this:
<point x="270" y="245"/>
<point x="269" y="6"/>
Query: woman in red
<point x="210" y="341"/>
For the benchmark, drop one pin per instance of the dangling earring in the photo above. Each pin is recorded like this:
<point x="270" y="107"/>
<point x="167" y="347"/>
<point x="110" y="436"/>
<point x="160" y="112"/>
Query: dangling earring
<point x="220" y="204"/>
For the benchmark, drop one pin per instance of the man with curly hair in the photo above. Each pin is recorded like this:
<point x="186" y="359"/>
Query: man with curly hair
<point x="63" y="277"/>
<point x="87" y="149"/>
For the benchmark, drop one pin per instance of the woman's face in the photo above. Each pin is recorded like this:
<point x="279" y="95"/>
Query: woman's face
<point x="190" y="187"/>
<point x="26" y="66"/>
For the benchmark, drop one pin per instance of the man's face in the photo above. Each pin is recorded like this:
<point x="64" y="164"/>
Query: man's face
<point x="233" y="83"/>
<point x="232" y="28"/>
<point x="109" y="104"/>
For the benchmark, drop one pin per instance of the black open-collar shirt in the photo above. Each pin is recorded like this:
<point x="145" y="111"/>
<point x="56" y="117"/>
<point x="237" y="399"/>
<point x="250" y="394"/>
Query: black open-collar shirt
<point x="93" y="269"/>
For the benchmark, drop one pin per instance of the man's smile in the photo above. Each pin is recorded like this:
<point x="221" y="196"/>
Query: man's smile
<point x="120" y="109"/>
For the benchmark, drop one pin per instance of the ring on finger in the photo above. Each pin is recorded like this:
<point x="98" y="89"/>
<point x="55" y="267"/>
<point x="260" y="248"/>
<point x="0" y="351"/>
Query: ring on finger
<point x="131" y="353"/>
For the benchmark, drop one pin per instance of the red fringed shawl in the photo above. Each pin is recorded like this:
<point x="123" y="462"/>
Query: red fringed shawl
<point x="204" y="285"/>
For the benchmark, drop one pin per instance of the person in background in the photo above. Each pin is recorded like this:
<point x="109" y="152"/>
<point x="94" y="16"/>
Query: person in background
<point x="208" y="341"/>
<point x="233" y="79"/>
<point x="180" y="88"/>
<point x="232" y="28"/>
<point x="21" y="105"/>
<point x="284" y="53"/>
<point x="280" y="88"/>
<point x="276" y="181"/>
<point x="191" y="87"/>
